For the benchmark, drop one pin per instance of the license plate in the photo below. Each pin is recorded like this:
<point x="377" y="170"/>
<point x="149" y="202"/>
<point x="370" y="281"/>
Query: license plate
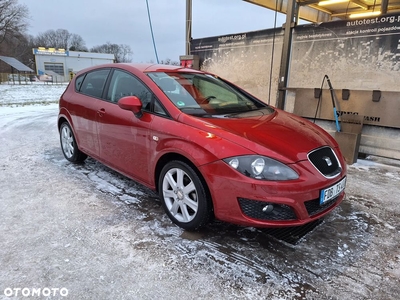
<point x="331" y="192"/>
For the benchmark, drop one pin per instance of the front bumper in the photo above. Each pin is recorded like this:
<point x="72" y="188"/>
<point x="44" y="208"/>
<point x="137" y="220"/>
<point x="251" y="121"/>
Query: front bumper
<point x="249" y="202"/>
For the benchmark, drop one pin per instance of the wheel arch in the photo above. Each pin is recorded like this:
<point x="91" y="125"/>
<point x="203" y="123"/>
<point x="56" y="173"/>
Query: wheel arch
<point x="175" y="156"/>
<point x="61" y="120"/>
<point x="69" y="144"/>
<point x="66" y="118"/>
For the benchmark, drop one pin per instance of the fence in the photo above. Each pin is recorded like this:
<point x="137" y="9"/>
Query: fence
<point x="8" y="78"/>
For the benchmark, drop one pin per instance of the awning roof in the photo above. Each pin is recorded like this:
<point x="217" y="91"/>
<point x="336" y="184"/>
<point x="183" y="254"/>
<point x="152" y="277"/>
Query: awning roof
<point x="16" y="64"/>
<point x="313" y="11"/>
<point x="52" y="73"/>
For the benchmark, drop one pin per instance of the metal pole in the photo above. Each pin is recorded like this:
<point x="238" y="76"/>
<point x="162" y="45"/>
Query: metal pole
<point x="188" y="25"/>
<point x="384" y="6"/>
<point x="286" y="49"/>
<point x="151" y="29"/>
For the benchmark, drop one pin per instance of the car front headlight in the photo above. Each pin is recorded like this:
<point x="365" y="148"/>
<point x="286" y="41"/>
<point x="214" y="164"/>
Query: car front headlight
<point x="261" y="167"/>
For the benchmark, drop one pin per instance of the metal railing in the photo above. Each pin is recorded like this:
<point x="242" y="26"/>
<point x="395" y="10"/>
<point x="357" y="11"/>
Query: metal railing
<point x="8" y="78"/>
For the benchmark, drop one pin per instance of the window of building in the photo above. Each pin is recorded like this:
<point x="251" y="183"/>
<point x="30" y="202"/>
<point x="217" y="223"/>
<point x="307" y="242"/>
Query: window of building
<point x="56" y="68"/>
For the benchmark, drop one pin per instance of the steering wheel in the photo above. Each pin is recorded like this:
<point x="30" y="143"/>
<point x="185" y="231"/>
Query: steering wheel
<point x="208" y="99"/>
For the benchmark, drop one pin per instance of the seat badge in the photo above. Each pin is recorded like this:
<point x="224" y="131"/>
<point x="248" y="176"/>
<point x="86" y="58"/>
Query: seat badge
<point x="155" y="138"/>
<point x="327" y="160"/>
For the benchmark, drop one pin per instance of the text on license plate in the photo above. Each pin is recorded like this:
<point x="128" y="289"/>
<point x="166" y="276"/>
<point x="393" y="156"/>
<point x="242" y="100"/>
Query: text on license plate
<point x="331" y="192"/>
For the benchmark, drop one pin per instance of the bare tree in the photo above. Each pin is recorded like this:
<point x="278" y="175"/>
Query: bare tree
<point x="60" y="38"/>
<point x="169" y="61"/>
<point x="13" y="19"/>
<point x="121" y="52"/>
<point x="77" y="43"/>
<point x="47" y="39"/>
<point x="125" y="53"/>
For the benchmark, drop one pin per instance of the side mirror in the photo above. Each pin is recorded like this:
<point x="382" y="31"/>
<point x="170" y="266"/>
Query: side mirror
<point x="131" y="103"/>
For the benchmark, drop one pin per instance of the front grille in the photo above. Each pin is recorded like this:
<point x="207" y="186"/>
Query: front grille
<point x="326" y="162"/>
<point x="254" y="209"/>
<point x="314" y="207"/>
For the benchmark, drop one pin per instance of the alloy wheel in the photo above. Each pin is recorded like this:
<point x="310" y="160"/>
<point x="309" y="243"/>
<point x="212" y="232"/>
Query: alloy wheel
<point x="180" y="195"/>
<point x="67" y="141"/>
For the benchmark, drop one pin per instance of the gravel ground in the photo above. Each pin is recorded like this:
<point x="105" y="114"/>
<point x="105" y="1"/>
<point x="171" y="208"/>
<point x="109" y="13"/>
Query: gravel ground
<point x="90" y="233"/>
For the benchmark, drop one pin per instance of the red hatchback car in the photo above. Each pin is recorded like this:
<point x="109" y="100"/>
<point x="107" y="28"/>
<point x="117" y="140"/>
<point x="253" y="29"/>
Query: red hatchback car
<point x="208" y="147"/>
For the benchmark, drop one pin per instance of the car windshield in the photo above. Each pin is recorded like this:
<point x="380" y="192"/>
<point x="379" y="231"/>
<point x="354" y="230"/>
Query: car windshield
<point x="207" y="96"/>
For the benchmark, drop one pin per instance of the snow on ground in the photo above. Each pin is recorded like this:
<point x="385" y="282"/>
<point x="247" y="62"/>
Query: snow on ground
<point x="102" y="236"/>
<point x="30" y="93"/>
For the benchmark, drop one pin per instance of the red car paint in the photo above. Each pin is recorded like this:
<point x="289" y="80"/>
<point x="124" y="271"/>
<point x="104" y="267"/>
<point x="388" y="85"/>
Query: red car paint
<point x="136" y="146"/>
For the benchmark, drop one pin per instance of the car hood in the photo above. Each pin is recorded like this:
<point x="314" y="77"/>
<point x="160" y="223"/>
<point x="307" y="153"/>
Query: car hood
<point x="281" y="135"/>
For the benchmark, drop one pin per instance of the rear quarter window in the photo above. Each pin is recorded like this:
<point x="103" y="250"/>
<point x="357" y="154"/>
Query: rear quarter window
<point x="78" y="82"/>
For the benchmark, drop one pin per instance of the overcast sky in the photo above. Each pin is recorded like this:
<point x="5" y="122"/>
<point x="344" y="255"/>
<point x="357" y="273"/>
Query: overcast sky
<point x="126" y="22"/>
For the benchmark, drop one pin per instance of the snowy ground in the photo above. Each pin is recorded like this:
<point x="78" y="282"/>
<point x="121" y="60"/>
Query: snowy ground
<point x="97" y="234"/>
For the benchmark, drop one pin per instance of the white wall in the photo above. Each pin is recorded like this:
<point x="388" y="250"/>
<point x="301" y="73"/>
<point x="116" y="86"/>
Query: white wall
<point x="73" y="60"/>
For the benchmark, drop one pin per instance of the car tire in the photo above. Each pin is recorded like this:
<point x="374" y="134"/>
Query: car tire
<point x="184" y="196"/>
<point x="69" y="146"/>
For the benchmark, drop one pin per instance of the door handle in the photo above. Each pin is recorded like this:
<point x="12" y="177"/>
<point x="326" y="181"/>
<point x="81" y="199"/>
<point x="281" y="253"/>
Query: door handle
<point x="101" y="112"/>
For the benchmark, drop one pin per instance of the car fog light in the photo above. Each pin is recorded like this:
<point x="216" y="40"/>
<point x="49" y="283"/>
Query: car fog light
<point x="268" y="208"/>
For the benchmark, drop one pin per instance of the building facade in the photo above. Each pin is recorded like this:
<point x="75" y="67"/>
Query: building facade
<point x="62" y="64"/>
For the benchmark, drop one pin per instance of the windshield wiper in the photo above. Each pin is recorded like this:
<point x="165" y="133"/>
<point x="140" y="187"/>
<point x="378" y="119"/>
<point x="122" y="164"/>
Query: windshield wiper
<point x="196" y="111"/>
<point x="190" y="107"/>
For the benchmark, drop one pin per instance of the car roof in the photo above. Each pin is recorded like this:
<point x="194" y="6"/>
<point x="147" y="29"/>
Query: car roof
<point x="160" y="68"/>
<point x="144" y="67"/>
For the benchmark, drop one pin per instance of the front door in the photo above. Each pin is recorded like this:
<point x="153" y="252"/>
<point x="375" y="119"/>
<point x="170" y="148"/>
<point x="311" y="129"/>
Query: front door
<point x="125" y="140"/>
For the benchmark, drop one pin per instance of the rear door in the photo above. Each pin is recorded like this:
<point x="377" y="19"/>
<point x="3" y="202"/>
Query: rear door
<point x="85" y="108"/>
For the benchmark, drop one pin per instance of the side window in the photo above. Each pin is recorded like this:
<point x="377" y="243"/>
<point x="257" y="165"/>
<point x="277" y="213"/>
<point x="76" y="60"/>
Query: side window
<point x="93" y="83"/>
<point x="78" y="82"/>
<point x="158" y="109"/>
<point x="124" y="84"/>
